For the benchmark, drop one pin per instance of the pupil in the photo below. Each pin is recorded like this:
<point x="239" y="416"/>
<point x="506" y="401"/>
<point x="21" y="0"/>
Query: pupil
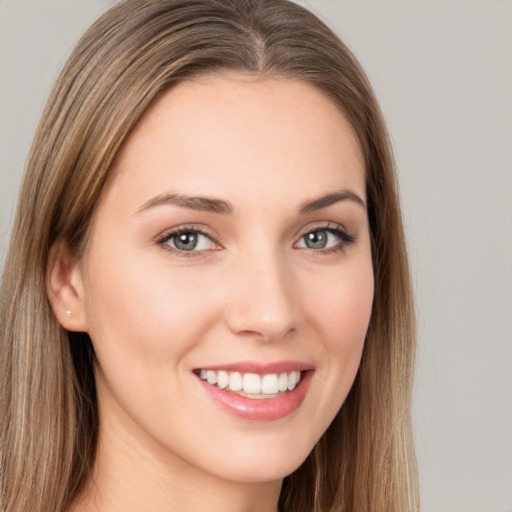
<point x="186" y="241"/>
<point x="316" y="240"/>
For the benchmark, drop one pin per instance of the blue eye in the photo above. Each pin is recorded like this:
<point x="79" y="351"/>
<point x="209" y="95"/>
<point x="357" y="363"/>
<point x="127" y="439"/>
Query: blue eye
<point x="318" y="240"/>
<point x="325" y="239"/>
<point x="187" y="240"/>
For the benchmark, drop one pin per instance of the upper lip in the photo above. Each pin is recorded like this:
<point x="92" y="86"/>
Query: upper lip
<point x="259" y="367"/>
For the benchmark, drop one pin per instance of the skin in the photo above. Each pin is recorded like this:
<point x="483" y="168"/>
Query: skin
<point x="255" y="293"/>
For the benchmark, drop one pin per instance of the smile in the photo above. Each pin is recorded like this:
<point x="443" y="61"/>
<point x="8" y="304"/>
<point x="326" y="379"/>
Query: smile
<point x="257" y="392"/>
<point x="252" y="385"/>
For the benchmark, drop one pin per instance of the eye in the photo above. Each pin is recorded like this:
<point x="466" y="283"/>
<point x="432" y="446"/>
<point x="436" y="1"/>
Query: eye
<point x="187" y="240"/>
<point x="322" y="239"/>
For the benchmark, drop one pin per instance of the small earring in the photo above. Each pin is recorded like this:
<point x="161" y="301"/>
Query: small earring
<point x="68" y="313"/>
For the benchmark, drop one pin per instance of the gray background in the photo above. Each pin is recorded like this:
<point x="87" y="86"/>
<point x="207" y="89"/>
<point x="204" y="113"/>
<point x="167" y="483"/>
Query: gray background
<point x="442" y="71"/>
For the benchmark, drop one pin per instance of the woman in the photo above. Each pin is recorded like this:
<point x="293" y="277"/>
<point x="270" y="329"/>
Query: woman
<point x="206" y="302"/>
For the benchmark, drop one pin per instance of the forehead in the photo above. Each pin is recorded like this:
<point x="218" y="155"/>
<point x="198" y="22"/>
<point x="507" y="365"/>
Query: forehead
<point x="253" y="134"/>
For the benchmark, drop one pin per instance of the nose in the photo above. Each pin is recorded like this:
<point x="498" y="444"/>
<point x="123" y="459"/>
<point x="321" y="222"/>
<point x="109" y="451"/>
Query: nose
<point x="262" y="297"/>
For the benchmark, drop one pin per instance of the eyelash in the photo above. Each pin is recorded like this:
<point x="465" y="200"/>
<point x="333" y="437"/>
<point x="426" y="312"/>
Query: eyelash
<point x="344" y="237"/>
<point x="175" y="232"/>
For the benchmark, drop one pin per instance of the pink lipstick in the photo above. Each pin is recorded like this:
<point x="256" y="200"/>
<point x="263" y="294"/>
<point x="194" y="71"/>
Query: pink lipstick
<point x="256" y="391"/>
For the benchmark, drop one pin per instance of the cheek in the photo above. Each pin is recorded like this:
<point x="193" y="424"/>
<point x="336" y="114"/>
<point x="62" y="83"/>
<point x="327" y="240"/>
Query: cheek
<point x="343" y="305"/>
<point x="145" y="313"/>
<point x="342" y="315"/>
<point x="144" y="323"/>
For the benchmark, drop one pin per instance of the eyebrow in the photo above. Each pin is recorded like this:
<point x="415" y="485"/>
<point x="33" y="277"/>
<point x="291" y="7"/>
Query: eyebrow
<point x="199" y="203"/>
<point x="212" y="205"/>
<point x="330" y="199"/>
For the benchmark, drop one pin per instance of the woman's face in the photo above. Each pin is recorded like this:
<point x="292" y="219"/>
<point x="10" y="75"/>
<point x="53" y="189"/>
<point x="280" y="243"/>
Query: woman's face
<point x="231" y="250"/>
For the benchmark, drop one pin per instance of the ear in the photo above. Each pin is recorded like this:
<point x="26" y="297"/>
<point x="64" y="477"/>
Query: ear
<point x="64" y="287"/>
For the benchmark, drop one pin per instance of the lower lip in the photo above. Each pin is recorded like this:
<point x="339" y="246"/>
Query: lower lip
<point x="260" y="409"/>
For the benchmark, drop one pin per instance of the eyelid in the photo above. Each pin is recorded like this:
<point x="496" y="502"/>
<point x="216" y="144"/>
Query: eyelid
<point x="318" y="226"/>
<point x="167" y="234"/>
<point x="337" y="229"/>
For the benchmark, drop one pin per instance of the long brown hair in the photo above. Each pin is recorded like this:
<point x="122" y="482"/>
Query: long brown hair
<point x="365" y="461"/>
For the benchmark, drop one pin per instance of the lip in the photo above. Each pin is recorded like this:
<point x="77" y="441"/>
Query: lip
<point x="262" y="409"/>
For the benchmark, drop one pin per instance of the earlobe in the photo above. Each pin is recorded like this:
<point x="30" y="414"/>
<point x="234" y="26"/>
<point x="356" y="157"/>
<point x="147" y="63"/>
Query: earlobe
<point x="64" y="288"/>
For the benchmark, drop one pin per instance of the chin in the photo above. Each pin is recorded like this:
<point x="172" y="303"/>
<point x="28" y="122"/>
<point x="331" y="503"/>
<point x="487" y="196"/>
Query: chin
<point x="267" y="463"/>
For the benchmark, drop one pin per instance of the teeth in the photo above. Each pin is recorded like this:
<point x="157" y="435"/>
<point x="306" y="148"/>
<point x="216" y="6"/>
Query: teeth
<point x="252" y="383"/>
<point x="222" y="380"/>
<point x="235" y="381"/>
<point x="282" y="384"/>
<point x="211" y="377"/>
<point x="269" y="384"/>
<point x="293" y="380"/>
